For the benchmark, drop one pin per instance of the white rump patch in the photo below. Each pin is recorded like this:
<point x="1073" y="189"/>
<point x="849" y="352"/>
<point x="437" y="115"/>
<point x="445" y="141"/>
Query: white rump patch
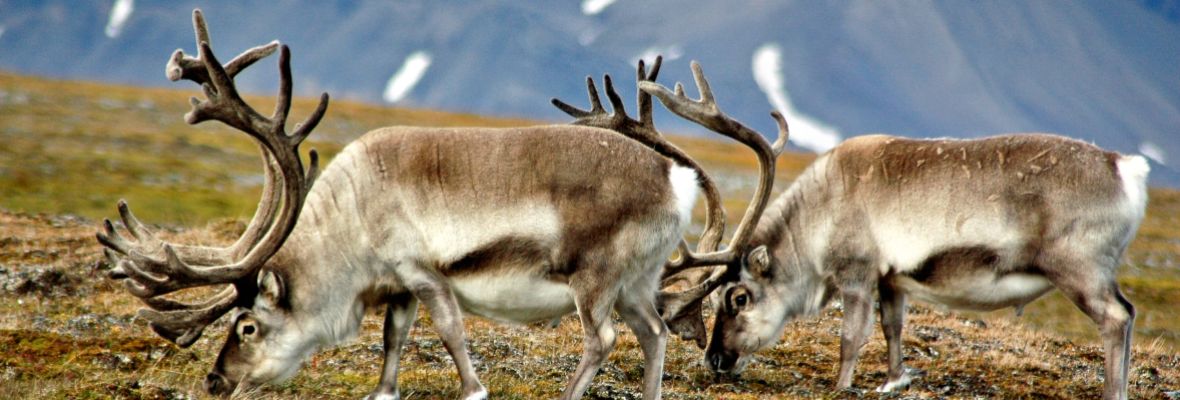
<point x="407" y="76"/>
<point x="686" y="188"/>
<point x="1134" y="170"/>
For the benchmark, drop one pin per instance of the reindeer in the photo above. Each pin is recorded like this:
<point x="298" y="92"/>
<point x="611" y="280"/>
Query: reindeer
<point x="970" y="224"/>
<point x="517" y="224"/>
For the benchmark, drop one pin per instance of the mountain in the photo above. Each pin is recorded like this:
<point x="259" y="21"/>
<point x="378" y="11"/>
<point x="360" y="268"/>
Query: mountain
<point x="1102" y="71"/>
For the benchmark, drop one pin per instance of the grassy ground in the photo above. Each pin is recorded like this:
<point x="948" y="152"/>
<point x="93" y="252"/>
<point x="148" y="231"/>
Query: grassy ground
<point x="72" y="149"/>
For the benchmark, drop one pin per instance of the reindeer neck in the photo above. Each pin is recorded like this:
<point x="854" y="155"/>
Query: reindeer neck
<point x="795" y="228"/>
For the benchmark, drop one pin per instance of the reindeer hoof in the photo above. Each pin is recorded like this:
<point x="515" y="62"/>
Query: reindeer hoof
<point x="384" y="396"/>
<point x="481" y="394"/>
<point x="900" y="383"/>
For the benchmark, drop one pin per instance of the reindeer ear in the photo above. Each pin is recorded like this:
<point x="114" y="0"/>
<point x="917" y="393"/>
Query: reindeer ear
<point x="271" y="287"/>
<point x="758" y="261"/>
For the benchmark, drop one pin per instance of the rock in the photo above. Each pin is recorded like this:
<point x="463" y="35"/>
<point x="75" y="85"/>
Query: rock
<point x="42" y="281"/>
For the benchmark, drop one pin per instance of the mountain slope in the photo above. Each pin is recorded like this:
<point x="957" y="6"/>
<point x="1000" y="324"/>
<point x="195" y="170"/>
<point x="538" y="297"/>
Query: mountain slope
<point x="1107" y="72"/>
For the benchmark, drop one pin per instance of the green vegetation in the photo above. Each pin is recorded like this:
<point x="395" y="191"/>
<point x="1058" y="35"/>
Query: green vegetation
<point x="72" y="149"/>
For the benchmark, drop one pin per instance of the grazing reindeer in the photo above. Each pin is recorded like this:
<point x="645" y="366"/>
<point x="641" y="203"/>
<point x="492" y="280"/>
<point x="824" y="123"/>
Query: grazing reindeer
<point x="518" y="224"/>
<point x="970" y="224"/>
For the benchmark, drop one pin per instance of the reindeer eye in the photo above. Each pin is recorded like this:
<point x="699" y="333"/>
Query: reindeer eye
<point x="740" y="300"/>
<point x="247" y="329"/>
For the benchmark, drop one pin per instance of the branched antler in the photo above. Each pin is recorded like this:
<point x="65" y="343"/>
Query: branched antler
<point x="151" y="268"/>
<point x="683" y="309"/>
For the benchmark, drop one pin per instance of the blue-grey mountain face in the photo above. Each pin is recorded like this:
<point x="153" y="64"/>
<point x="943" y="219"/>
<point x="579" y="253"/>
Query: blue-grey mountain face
<point x="1103" y="71"/>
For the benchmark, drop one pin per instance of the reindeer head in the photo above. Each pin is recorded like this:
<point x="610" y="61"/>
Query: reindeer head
<point x="751" y="313"/>
<point x="263" y="345"/>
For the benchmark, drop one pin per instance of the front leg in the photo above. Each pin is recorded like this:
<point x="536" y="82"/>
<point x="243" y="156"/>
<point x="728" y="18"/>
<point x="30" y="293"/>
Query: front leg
<point x="436" y="294"/>
<point x="858" y="317"/>
<point x="399" y="318"/>
<point x="892" y="320"/>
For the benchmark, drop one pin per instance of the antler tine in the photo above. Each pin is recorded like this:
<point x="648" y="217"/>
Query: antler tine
<point x="283" y="105"/>
<point x="183" y="67"/>
<point x="596" y="108"/>
<point x="183" y="323"/>
<point x="643" y="99"/>
<point x="200" y="28"/>
<point x="783" y="133"/>
<point x="619" y="110"/>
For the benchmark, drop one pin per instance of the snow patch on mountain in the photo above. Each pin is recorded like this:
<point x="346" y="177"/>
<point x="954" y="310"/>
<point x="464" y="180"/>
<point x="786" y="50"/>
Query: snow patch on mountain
<point x="120" y="13"/>
<point x="406" y="77"/>
<point x="669" y="52"/>
<point x="1154" y="152"/>
<point x="593" y="7"/>
<point x="806" y="131"/>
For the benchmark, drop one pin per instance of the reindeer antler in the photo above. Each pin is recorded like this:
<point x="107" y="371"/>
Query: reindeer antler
<point x="151" y="268"/>
<point x="683" y="308"/>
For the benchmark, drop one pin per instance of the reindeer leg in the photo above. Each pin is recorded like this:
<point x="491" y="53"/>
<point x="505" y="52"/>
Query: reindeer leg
<point x="1100" y="298"/>
<point x="399" y="318"/>
<point x="594" y="306"/>
<point x="639" y="313"/>
<point x="448" y="322"/>
<point x="858" y="318"/>
<point x="892" y="319"/>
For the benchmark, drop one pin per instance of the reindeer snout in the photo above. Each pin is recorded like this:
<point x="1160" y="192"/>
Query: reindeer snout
<point x="721" y="362"/>
<point x="217" y="385"/>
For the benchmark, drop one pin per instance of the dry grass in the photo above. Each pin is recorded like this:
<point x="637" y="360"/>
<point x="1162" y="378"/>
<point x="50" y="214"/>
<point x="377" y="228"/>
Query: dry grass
<point x="71" y="149"/>
<point x="74" y="335"/>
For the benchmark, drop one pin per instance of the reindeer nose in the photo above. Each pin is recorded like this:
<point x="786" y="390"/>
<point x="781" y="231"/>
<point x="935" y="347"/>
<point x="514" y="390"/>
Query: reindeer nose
<point x="721" y="362"/>
<point x="217" y="385"/>
<point x="715" y="362"/>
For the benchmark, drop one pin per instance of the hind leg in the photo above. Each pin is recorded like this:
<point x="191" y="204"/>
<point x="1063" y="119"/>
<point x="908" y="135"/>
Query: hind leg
<point x="1093" y="288"/>
<point x="639" y="313"/>
<point x="892" y="320"/>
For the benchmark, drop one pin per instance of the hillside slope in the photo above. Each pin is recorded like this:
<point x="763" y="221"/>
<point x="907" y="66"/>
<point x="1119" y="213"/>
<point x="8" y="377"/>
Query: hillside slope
<point x="1102" y="71"/>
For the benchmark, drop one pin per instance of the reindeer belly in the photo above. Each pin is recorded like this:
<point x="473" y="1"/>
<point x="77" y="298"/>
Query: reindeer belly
<point x="513" y="297"/>
<point x="972" y="278"/>
<point x="979" y="292"/>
